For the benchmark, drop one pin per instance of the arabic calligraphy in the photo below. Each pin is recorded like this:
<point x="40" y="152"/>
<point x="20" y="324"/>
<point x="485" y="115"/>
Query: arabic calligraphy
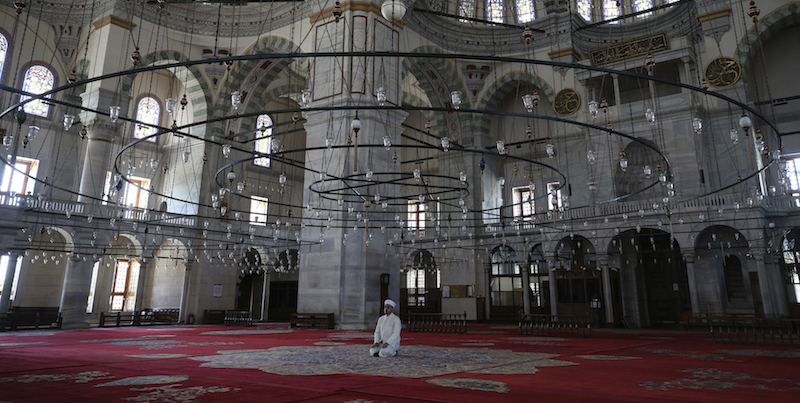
<point x="626" y="50"/>
<point x="566" y="102"/>
<point x="723" y="72"/>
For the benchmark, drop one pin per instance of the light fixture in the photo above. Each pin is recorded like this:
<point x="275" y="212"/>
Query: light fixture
<point x="381" y="95"/>
<point x="623" y="160"/>
<point x="417" y="174"/>
<point x="502" y="181"/>
<point x="185" y="156"/>
<point x="590" y="157"/>
<point x="33" y="131"/>
<point x="650" y="116"/>
<point x="501" y="147"/>
<point x="527" y="100"/>
<point x="551" y="150"/>
<point x="236" y="100"/>
<point x="593" y="108"/>
<point x="68" y="121"/>
<point x="394" y="10"/>
<point x="113" y="113"/>
<point x="387" y="142"/>
<point x="745" y="123"/>
<point x="445" y="143"/>
<point x="455" y="97"/>
<point x="734" y="136"/>
<point x="305" y="98"/>
<point x="697" y="125"/>
<point x="170" y="105"/>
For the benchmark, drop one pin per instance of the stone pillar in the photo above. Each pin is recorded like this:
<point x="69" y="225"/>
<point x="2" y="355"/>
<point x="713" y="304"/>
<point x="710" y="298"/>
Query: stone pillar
<point x="688" y="256"/>
<point x="687" y="74"/>
<point x="526" y="287"/>
<point x="617" y="96"/>
<point x="96" y="161"/>
<point x="487" y="274"/>
<point x="11" y="270"/>
<point x="343" y="277"/>
<point x="608" y="299"/>
<point x="551" y="275"/>
<point x="187" y="276"/>
<point x="75" y="292"/>
<point x="769" y="281"/>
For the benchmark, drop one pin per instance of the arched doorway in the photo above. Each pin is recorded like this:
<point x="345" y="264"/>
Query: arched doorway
<point x="577" y="278"/>
<point x="506" y="285"/>
<point x="790" y="270"/>
<point x="283" y="279"/>
<point x="654" y="285"/>
<point x="251" y="285"/>
<point x="420" y="285"/>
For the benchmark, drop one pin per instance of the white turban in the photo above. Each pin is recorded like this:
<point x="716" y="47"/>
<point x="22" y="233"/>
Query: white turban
<point x="389" y="302"/>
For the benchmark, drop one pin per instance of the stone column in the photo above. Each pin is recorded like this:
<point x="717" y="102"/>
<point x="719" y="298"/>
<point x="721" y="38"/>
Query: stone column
<point x="487" y="274"/>
<point x="343" y="277"/>
<point x="11" y="270"/>
<point x="526" y="287"/>
<point x="688" y="256"/>
<point x="75" y="292"/>
<point x="617" y="96"/>
<point x="96" y="160"/>
<point x="551" y="275"/>
<point x="769" y="281"/>
<point x="608" y="299"/>
<point x="187" y="276"/>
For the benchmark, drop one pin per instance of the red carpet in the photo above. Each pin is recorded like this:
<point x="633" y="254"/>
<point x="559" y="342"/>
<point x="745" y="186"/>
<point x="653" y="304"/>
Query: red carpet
<point x="272" y="363"/>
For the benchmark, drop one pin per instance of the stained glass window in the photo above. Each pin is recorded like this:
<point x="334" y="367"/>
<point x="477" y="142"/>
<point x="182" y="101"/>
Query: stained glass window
<point x="38" y="79"/>
<point x="148" y="112"/>
<point x="525" y="11"/>
<point x="263" y="143"/>
<point x="3" y="53"/>
<point x="494" y="10"/>
<point x="584" y="9"/>
<point x="641" y="5"/>
<point x="466" y="8"/>
<point x="611" y="10"/>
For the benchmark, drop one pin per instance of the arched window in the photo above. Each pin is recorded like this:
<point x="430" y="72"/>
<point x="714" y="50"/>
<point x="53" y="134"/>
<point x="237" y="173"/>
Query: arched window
<point x="611" y="10"/>
<point x="466" y="8"/>
<point x="38" y="79"/>
<point x="263" y="143"/>
<point x="641" y="5"/>
<point x="148" y="112"/>
<point x="3" y="53"/>
<point x="494" y="10"/>
<point x="525" y="11"/>
<point x="584" y="9"/>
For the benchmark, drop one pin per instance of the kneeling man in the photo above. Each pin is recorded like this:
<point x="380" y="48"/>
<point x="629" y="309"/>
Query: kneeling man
<point x="387" y="333"/>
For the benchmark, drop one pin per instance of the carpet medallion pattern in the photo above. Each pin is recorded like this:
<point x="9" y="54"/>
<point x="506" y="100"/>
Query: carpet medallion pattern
<point x="411" y="361"/>
<point x="146" y="380"/>
<point x="472" y="384"/>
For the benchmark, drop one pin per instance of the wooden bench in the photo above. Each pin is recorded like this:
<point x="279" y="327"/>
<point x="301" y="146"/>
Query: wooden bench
<point x="147" y="317"/>
<point x="554" y="325"/>
<point x="30" y="316"/>
<point x="238" y="318"/>
<point x="751" y="329"/>
<point x="437" y="322"/>
<point x="312" y="320"/>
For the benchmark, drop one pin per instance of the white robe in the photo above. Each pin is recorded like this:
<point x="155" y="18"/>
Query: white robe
<point x="387" y="331"/>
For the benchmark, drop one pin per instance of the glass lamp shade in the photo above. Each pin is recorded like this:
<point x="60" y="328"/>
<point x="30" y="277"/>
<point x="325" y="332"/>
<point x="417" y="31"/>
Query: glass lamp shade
<point x="305" y="98"/>
<point x="417" y="174"/>
<point x="113" y="113"/>
<point x="455" y="97"/>
<point x="153" y="163"/>
<point x="275" y="144"/>
<point x="328" y="142"/>
<point x="623" y="163"/>
<point x="231" y="176"/>
<point x="527" y="100"/>
<point x="368" y="174"/>
<point x="394" y="10"/>
<point x="650" y="116"/>
<point x="380" y="93"/>
<point x="356" y="124"/>
<point x="387" y="142"/>
<point x="502" y="181"/>
<point x="648" y="171"/>
<point x="445" y="143"/>
<point x="226" y="150"/>
<point x="734" y="136"/>
<point x="236" y="99"/>
<point x="282" y="179"/>
<point x="593" y="108"/>
<point x="590" y="157"/>
<point x="462" y="176"/>
<point x="697" y="125"/>
<point x="240" y="187"/>
<point x="745" y="123"/>
<point x="186" y="155"/>
<point x="501" y="147"/>
<point x="551" y="150"/>
<point x="68" y="121"/>
<point x="170" y="104"/>
<point x="32" y="132"/>
<point x="531" y="186"/>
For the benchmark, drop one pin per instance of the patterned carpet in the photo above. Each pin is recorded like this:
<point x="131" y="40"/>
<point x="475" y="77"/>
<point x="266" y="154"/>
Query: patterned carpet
<point x="273" y="363"/>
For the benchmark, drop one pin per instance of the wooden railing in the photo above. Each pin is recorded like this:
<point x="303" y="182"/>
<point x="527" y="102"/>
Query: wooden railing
<point x="238" y="318"/>
<point x="555" y="325"/>
<point x="437" y="322"/>
<point x="147" y="317"/>
<point x="27" y="316"/>
<point x="743" y="329"/>
<point x="312" y="320"/>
